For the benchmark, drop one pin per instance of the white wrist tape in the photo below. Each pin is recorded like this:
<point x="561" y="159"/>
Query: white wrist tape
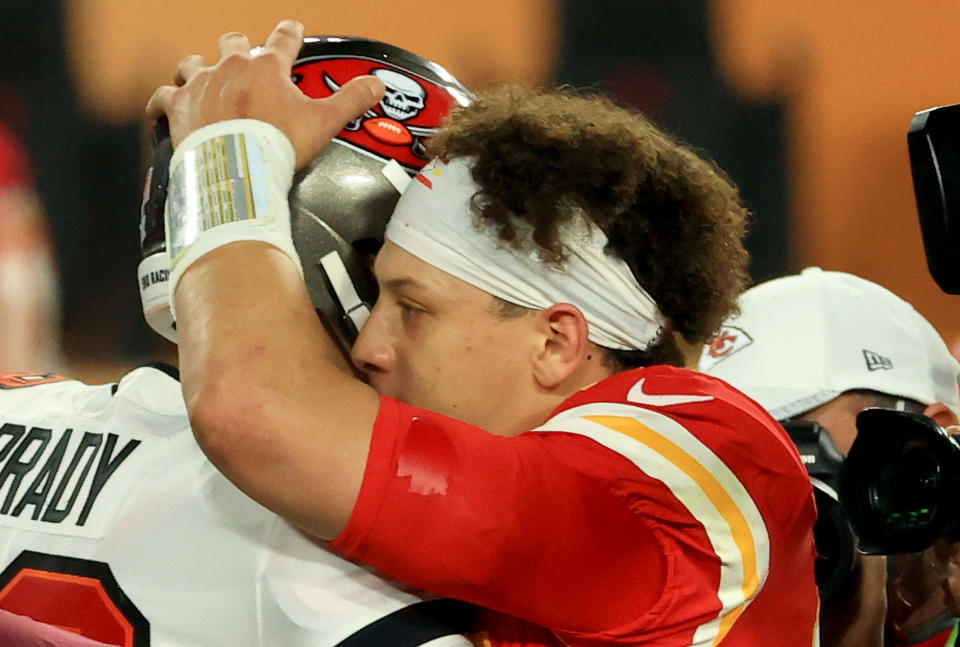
<point x="228" y="183"/>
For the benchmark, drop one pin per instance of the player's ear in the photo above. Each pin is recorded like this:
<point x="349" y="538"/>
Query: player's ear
<point x="563" y="344"/>
<point x="942" y="414"/>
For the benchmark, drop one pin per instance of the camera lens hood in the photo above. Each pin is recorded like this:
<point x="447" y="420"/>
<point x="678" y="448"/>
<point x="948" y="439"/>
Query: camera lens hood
<point x="900" y="483"/>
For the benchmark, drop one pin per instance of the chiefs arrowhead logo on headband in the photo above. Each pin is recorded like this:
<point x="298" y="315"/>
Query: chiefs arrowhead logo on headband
<point x="410" y="111"/>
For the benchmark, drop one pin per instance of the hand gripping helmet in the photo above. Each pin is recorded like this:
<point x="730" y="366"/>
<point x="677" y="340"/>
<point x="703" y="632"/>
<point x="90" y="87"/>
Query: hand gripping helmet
<point x="340" y="202"/>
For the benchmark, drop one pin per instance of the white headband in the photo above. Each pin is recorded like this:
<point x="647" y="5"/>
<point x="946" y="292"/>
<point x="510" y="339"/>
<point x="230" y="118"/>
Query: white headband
<point x="433" y="221"/>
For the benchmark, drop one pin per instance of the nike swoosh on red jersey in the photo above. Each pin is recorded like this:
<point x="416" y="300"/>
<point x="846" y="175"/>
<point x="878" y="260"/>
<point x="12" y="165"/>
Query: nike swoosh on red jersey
<point x="637" y="395"/>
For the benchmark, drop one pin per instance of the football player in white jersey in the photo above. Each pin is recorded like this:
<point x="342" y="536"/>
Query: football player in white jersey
<point x="114" y="525"/>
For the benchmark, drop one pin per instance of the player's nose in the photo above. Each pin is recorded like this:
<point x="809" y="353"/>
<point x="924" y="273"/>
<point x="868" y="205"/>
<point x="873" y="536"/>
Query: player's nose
<point x="373" y="351"/>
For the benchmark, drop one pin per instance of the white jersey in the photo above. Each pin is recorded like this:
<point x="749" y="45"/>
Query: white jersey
<point x="113" y="524"/>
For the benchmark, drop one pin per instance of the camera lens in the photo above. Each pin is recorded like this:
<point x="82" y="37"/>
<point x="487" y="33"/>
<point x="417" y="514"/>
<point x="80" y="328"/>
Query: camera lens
<point x="899" y="483"/>
<point x="905" y="490"/>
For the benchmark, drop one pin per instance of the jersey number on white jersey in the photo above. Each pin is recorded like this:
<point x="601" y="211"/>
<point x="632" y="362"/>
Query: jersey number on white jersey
<point x="79" y="595"/>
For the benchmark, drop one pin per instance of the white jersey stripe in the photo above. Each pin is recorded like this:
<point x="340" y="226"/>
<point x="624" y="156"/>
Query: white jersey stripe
<point x="667" y="451"/>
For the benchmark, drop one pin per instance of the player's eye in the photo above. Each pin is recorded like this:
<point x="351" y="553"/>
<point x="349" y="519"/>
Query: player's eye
<point x="409" y="309"/>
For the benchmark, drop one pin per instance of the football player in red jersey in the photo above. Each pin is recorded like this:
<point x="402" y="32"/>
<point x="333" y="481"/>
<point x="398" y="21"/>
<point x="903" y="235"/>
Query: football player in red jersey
<point x="530" y="441"/>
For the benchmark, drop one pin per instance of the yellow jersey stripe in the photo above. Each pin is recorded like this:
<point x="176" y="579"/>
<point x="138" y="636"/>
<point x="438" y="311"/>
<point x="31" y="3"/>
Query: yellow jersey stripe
<point x="720" y="498"/>
<point x="665" y="450"/>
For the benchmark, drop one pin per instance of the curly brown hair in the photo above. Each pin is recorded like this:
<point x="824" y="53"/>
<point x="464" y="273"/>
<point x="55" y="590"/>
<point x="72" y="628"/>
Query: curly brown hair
<point x="544" y="156"/>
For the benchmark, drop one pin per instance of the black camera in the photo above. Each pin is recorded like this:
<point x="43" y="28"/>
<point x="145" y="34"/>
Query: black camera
<point x="934" y="144"/>
<point x="836" y="543"/>
<point x="900" y="483"/>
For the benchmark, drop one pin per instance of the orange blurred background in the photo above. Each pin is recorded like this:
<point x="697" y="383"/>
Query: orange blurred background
<point x="841" y="79"/>
<point x="852" y="74"/>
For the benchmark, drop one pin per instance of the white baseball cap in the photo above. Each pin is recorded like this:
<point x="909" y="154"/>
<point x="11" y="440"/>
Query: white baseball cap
<point x="802" y="340"/>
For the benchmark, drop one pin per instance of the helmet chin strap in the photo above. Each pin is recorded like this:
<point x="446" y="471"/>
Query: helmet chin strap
<point x="355" y="310"/>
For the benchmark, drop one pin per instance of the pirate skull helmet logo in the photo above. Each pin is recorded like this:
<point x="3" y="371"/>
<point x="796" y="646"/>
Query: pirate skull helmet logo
<point x="404" y="98"/>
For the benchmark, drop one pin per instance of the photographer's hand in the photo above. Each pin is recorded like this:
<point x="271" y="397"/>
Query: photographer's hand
<point x="945" y="557"/>
<point x="856" y="619"/>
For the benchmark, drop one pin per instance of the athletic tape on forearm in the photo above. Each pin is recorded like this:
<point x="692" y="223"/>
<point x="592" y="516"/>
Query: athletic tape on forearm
<point x="228" y="183"/>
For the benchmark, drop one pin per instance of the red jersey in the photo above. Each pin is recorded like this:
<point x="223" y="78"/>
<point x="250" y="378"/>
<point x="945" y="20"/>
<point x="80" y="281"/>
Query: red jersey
<point x="658" y="507"/>
<point x="946" y="638"/>
<point x="14" y="163"/>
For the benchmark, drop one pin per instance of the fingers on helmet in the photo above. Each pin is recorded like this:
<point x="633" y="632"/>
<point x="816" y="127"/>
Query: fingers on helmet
<point x="233" y="43"/>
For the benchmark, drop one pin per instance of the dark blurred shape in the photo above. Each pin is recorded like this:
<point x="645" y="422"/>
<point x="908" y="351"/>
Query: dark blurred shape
<point x="934" y="144"/>
<point x="900" y="481"/>
<point x="836" y="544"/>
<point x="87" y="177"/>
<point x="656" y="56"/>
<point x="29" y="289"/>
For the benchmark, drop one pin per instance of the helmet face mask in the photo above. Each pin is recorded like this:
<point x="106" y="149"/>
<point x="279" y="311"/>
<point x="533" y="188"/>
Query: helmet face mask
<point x="339" y="207"/>
<point x="340" y="203"/>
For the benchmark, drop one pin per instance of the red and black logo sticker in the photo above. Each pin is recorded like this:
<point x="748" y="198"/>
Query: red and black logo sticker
<point x="20" y="380"/>
<point x="727" y="341"/>
<point x="78" y="595"/>
<point x="410" y="111"/>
